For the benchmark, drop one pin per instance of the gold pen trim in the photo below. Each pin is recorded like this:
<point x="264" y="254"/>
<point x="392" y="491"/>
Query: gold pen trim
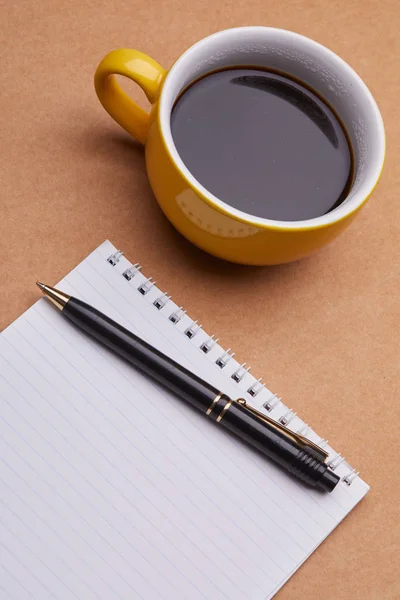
<point x="58" y="298"/>
<point x="299" y="439"/>
<point x="213" y="403"/>
<point x="223" y="411"/>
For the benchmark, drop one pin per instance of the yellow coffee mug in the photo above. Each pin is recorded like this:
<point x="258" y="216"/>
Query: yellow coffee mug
<point x="200" y="216"/>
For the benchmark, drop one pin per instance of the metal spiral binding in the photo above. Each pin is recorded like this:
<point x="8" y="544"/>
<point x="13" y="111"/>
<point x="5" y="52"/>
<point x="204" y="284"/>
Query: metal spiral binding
<point x="334" y="462"/>
<point x="114" y="258"/>
<point x="271" y="402"/>
<point x="256" y="388"/>
<point x="350" y="477"/>
<point x="191" y="331"/>
<point x="238" y="375"/>
<point x="130" y="273"/>
<point x="146" y="286"/>
<point x="304" y="429"/>
<point x="161" y="301"/>
<point x="322" y="443"/>
<point x="208" y="344"/>
<point x="287" y="417"/>
<point x="224" y="358"/>
<point x="176" y="316"/>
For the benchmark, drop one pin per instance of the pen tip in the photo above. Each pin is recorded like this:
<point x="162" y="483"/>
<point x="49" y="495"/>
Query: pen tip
<point x="57" y="297"/>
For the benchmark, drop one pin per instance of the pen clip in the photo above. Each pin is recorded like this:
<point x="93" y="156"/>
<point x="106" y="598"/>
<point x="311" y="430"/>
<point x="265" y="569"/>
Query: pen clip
<point x="318" y="452"/>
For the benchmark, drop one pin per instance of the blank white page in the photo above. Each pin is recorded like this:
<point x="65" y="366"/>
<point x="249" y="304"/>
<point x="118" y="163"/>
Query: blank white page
<point x="113" y="488"/>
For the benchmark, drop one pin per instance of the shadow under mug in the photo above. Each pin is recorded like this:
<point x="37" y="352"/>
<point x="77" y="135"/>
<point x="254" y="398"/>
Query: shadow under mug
<point x="201" y="217"/>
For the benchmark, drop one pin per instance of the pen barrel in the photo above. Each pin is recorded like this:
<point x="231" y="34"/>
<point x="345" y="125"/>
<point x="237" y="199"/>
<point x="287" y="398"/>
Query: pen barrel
<point x="142" y="355"/>
<point x="279" y="447"/>
<point x="218" y="407"/>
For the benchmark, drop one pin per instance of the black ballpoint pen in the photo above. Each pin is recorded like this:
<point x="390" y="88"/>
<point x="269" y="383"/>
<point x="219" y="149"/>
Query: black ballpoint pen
<point x="293" y="452"/>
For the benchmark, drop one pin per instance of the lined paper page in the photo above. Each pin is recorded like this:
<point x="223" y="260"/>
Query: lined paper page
<point x="112" y="488"/>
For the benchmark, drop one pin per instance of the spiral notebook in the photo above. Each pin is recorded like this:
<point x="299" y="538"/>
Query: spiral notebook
<point x="112" y="488"/>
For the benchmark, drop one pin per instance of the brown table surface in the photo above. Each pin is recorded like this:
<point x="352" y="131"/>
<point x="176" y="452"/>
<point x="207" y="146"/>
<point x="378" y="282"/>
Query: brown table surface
<point x="323" y="332"/>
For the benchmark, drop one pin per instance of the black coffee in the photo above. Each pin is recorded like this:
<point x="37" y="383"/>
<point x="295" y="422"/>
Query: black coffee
<point x="263" y="143"/>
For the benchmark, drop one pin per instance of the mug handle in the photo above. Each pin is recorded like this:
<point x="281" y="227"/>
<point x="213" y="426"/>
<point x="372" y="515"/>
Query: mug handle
<point x="144" y="71"/>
